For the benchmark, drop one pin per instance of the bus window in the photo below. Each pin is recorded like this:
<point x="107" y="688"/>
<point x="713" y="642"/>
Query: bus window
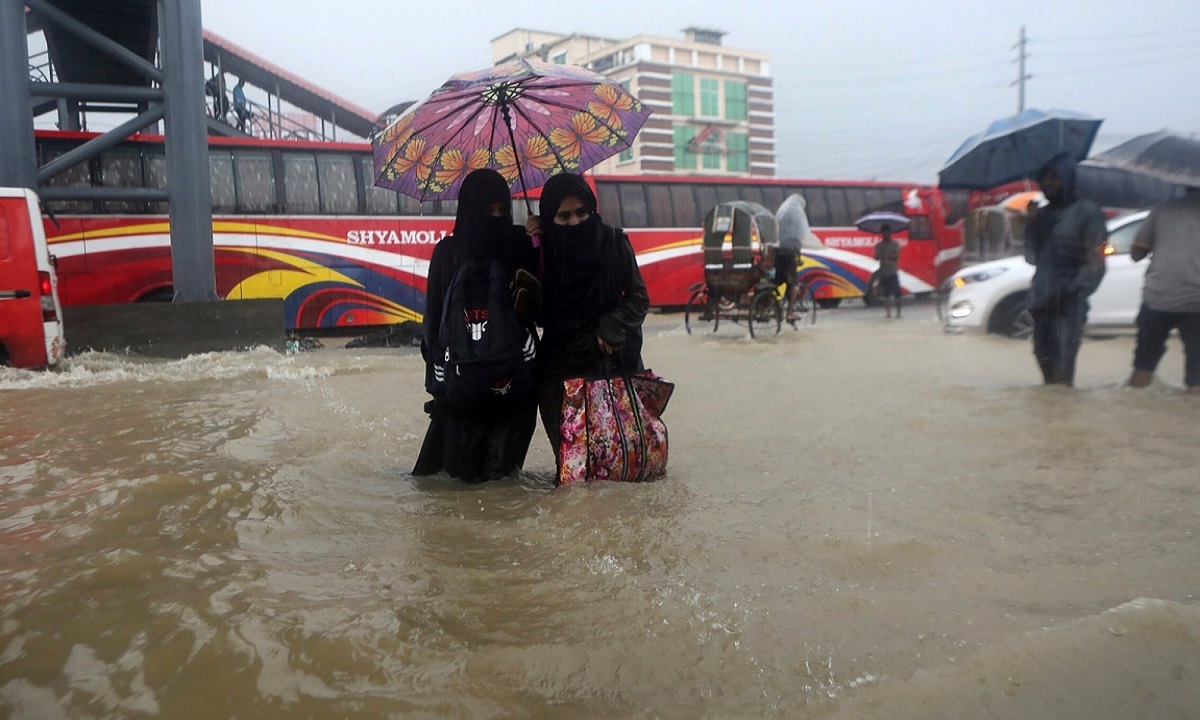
<point x="772" y="197"/>
<point x="856" y="202"/>
<point x="255" y="182"/>
<point x="78" y="175"/>
<point x="729" y="193"/>
<point x="890" y="199"/>
<point x="839" y="212"/>
<point x="684" y="203"/>
<point x="633" y="205"/>
<point x="300" y="185"/>
<point x="121" y="168"/>
<point x="754" y="194"/>
<point x="339" y="187"/>
<point x="608" y="202"/>
<point x="408" y="205"/>
<point x="662" y="214"/>
<point x="156" y="177"/>
<point x="380" y="201"/>
<point x="875" y="199"/>
<point x="706" y="198"/>
<point x="448" y="208"/>
<point x="220" y="181"/>
<point x="816" y="205"/>
<point x="919" y="228"/>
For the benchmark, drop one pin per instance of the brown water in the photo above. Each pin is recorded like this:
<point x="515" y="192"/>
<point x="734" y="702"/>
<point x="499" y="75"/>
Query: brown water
<point x="861" y="519"/>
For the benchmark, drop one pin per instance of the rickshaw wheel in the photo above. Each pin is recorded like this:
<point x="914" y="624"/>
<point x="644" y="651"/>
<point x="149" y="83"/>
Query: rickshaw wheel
<point x="806" y="305"/>
<point x="699" y="317"/>
<point x="766" y="313"/>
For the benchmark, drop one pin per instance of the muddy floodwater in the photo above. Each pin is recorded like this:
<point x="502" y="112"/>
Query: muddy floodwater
<point x="861" y="519"/>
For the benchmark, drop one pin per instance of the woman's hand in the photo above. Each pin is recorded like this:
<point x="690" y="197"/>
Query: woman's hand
<point x="606" y="347"/>
<point x="533" y="226"/>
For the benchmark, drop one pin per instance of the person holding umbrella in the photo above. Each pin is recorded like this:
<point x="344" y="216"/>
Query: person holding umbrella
<point x="482" y="439"/>
<point x="887" y="252"/>
<point x="1064" y="241"/>
<point x="594" y="298"/>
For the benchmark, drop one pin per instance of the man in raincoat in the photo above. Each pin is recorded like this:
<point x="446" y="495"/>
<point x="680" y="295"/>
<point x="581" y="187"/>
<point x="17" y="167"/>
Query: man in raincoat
<point x="1065" y="242"/>
<point x="793" y="229"/>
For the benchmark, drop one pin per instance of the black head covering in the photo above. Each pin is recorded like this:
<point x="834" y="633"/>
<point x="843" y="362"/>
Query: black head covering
<point x="580" y="282"/>
<point x="481" y="234"/>
<point x="1064" y="166"/>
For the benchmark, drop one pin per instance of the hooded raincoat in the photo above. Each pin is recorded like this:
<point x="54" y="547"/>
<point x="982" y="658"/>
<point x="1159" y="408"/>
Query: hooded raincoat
<point x="1065" y="243"/>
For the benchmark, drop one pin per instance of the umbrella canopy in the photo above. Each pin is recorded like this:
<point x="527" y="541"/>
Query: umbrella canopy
<point x="1017" y="147"/>
<point x="1164" y="155"/>
<point x="880" y="221"/>
<point x="527" y="120"/>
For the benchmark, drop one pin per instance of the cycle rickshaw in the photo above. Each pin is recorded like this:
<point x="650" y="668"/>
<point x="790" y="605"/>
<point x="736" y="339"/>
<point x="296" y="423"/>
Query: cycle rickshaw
<point x="739" y="273"/>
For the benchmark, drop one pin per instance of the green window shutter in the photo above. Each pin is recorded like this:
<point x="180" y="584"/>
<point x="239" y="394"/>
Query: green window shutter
<point x="684" y="158"/>
<point x="710" y="97"/>
<point x="738" y="152"/>
<point x="683" y="94"/>
<point x="735" y="100"/>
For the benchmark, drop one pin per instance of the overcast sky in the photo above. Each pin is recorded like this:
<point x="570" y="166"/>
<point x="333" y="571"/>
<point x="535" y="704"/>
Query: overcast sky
<point x="884" y="90"/>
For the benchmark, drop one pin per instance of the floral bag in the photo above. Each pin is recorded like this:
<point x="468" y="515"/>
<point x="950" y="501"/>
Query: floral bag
<point x="612" y="428"/>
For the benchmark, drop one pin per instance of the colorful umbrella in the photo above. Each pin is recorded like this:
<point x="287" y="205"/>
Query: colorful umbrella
<point x="881" y="220"/>
<point x="527" y="120"/>
<point x="1017" y="147"/>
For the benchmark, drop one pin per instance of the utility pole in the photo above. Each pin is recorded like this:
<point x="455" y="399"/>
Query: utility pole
<point x="1021" y="74"/>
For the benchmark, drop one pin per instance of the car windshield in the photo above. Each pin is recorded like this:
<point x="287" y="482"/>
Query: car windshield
<point x="1121" y="239"/>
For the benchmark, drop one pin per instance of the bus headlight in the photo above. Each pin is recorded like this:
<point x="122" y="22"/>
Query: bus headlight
<point x="978" y="276"/>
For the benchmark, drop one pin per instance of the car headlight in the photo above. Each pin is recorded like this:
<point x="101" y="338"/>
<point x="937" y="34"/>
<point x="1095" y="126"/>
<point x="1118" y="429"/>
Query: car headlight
<point x="979" y="276"/>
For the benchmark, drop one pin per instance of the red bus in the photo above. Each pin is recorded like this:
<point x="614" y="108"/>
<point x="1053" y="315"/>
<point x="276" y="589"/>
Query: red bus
<point x="302" y="222"/>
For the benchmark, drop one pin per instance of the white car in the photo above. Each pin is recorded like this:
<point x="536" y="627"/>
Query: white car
<point x="994" y="296"/>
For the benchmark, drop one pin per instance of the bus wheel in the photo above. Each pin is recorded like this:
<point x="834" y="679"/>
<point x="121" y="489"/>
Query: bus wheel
<point x="165" y="295"/>
<point x="871" y="294"/>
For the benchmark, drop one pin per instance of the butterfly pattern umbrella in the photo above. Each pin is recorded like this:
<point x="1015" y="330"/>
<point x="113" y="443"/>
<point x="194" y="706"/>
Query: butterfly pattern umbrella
<point x="526" y="119"/>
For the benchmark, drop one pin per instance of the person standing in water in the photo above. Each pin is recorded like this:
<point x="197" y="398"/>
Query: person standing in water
<point x="1065" y="243"/>
<point x="490" y="439"/>
<point x="594" y="298"/>
<point x="887" y="252"/>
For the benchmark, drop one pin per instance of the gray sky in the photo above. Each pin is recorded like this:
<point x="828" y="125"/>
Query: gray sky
<point x="863" y="90"/>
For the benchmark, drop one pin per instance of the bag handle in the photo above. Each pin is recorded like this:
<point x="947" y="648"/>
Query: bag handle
<point x="639" y="427"/>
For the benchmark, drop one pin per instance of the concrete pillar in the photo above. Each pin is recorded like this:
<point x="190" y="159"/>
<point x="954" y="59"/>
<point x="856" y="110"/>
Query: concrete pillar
<point x="18" y="159"/>
<point x="182" y="57"/>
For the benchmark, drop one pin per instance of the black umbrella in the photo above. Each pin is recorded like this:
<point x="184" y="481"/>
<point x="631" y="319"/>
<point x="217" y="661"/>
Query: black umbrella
<point x="1163" y="155"/>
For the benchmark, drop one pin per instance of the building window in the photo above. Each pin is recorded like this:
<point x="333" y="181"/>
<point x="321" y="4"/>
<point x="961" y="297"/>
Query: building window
<point x="711" y="153"/>
<point x="684" y="158"/>
<point x="560" y="59"/>
<point x="683" y="94"/>
<point x="737" y="146"/>
<point x="735" y="100"/>
<point x="710" y="97"/>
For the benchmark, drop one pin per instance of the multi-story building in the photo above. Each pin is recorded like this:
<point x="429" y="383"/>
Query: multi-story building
<point x="714" y="110"/>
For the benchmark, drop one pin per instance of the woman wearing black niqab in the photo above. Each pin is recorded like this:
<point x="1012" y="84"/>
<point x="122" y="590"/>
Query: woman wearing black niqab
<point x="594" y="298"/>
<point x="484" y="443"/>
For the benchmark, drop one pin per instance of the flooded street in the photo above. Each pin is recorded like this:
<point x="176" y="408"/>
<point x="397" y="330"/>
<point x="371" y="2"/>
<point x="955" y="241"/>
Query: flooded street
<point x="862" y="518"/>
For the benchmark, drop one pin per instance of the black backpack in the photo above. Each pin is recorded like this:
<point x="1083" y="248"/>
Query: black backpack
<point x="489" y="353"/>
